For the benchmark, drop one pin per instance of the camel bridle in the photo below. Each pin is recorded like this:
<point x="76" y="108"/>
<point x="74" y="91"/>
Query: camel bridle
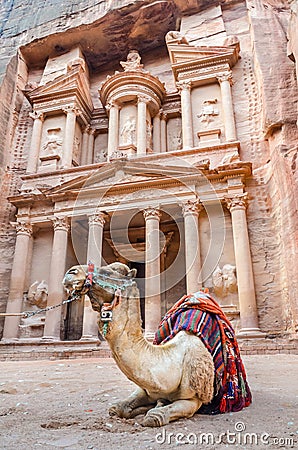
<point x="106" y="313"/>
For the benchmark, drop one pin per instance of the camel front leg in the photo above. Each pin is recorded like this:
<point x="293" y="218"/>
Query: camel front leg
<point x="137" y="403"/>
<point x="160" y="416"/>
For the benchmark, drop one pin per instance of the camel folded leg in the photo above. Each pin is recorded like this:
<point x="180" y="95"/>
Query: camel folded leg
<point x="137" y="403"/>
<point x="160" y="416"/>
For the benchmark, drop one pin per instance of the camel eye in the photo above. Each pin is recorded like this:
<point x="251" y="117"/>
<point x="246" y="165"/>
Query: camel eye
<point x="73" y="271"/>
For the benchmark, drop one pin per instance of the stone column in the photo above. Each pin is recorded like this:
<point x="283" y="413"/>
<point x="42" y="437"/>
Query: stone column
<point x="156" y="133"/>
<point x="152" y="271"/>
<point x="141" y="128"/>
<point x="163" y="133"/>
<point x="191" y="210"/>
<point x="246" y="291"/>
<point x="225" y="81"/>
<point x="34" y="151"/>
<point x="113" y="137"/>
<point x="57" y="271"/>
<point x="184" y="88"/>
<point x="94" y="254"/>
<point x="17" y="281"/>
<point x="85" y="141"/>
<point x="69" y="135"/>
<point x="90" y="146"/>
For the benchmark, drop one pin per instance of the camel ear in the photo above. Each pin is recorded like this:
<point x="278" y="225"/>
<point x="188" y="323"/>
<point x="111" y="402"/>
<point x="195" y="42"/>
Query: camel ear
<point x="132" y="273"/>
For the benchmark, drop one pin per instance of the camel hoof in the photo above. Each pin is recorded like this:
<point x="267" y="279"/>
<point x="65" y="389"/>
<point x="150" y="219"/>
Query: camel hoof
<point x="154" y="418"/>
<point x="120" y="411"/>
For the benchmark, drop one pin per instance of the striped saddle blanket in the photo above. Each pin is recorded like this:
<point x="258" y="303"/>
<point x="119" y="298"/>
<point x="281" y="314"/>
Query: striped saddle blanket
<point x="200" y="314"/>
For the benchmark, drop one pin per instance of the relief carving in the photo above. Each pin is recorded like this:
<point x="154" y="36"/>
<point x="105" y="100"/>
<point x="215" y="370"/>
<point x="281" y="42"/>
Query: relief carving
<point x="128" y="132"/>
<point x="208" y="111"/>
<point x="133" y="62"/>
<point x="224" y="280"/>
<point x="53" y="144"/>
<point x="38" y="294"/>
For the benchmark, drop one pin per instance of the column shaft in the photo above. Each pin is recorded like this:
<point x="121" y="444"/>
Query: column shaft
<point x="35" y="142"/>
<point x="227" y="103"/>
<point x="191" y="211"/>
<point x="141" y="130"/>
<point x="113" y="137"/>
<point x="90" y="146"/>
<point x="156" y="134"/>
<point x="17" y="283"/>
<point x="94" y="254"/>
<point x="246" y="290"/>
<point x="85" y="141"/>
<point x="186" y="114"/>
<point x="152" y="287"/>
<point x="163" y="133"/>
<point x="57" y="271"/>
<point x="69" y="135"/>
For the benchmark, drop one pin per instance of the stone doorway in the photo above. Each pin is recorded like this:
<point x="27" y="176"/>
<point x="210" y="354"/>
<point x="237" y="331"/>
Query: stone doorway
<point x="140" y="266"/>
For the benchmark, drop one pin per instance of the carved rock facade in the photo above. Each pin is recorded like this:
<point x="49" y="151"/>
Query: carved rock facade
<point x="190" y="134"/>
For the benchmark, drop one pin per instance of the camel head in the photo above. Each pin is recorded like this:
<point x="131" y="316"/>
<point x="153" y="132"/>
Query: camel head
<point x="105" y="281"/>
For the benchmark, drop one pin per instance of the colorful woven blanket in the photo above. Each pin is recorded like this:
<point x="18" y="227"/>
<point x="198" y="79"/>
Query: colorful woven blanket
<point x="200" y="314"/>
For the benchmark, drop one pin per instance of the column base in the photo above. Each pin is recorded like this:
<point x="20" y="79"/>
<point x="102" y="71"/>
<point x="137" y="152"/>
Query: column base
<point x="250" y="333"/>
<point x="89" y="337"/>
<point x="50" y="339"/>
<point x="5" y="340"/>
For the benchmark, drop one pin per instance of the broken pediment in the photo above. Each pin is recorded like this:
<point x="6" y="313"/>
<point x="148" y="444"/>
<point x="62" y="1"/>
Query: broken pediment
<point x="120" y="174"/>
<point x="59" y="92"/>
<point x="191" y="62"/>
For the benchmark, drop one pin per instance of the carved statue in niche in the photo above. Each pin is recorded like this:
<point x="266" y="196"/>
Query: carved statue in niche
<point x="76" y="150"/>
<point x="37" y="297"/>
<point x="53" y="144"/>
<point x="208" y="111"/>
<point x="128" y="132"/>
<point x="224" y="280"/>
<point x="133" y="62"/>
<point x="148" y="134"/>
<point x="101" y="156"/>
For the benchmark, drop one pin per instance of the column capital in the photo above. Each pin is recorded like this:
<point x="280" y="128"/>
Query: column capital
<point x="37" y="115"/>
<point x="60" y="223"/>
<point x="191" y="207"/>
<point x="70" y="108"/>
<point x="23" y="227"/>
<point x="97" y="219"/>
<point x="163" y="115"/>
<point x="239" y="201"/>
<point x="87" y="129"/>
<point x="143" y="99"/>
<point x="183" y="86"/>
<point x="112" y="104"/>
<point x="225" y="76"/>
<point x="151" y="213"/>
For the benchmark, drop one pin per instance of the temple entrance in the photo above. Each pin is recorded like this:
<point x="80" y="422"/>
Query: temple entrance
<point x="141" y="285"/>
<point x="73" y="321"/>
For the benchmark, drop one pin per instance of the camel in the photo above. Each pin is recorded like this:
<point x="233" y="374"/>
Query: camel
<point x="174" y="379"/>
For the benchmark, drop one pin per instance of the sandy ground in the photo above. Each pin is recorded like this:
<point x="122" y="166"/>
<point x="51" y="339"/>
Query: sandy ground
<point x="64" y="404"/>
